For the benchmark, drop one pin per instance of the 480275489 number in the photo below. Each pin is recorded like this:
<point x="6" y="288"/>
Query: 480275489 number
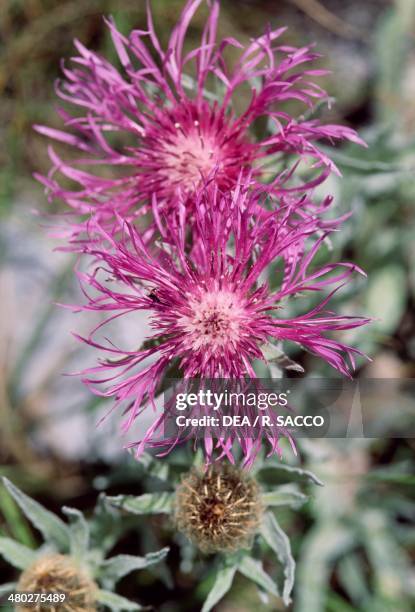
<point x="31" y="599"/>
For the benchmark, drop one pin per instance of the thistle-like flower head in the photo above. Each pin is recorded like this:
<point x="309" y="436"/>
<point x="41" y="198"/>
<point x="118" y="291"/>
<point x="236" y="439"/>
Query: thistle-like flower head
<point x="71" y="562"/>
<point x="222" y="509"/>
<point x="219" y="510"/>
<point x="61" y="575"/>
<point x="213" y="312"/>
<point x="173" y="136"/>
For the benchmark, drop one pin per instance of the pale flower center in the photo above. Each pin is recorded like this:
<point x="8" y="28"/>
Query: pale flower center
<point x="216" y="321"/>
<point x="189" y="158"/>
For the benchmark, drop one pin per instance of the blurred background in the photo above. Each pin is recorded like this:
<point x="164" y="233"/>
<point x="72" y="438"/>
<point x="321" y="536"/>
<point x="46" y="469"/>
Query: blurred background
<point x="354" y="542"/>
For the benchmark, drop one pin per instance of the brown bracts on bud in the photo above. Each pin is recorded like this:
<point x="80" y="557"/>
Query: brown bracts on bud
<point x="218" y="510"/>
<point x="61" y="574"/>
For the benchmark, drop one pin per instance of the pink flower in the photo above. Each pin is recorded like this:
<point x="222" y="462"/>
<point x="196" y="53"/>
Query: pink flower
<point x="213" y="313"/>
<point x="171" y="135"/>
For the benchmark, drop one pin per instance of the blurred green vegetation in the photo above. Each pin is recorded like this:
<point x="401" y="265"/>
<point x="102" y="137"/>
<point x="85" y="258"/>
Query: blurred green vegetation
<point x="354" y="543"/>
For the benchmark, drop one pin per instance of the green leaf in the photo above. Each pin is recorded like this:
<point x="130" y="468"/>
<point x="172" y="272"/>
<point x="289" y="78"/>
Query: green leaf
<point x="279" y="361"/>
<point x="325" y="542"/>
<point x="391" y="478"/>
<point x="106" y="526"/>
<point x="338" y="604"/>
<point x="295" y="474"/>
<point x="391" y="566"/>
<point x="18" y="527"/>
<point x="351" y="575"/>
<point x="51" y="526"/>
<point x="394" y="32"/>
<point x="252" y="569"/>
<point x="157" y="469"/>
<point x="278" y="541"/>
<point x="386" y="297"/>
<point x="114" y="569"/>
<point x="284" y="496"/>
<point x="149" y="503"/>
<point x="79" y="532"/>
<point x="116" y="602"/>
<point x="8" y="587"/>
<point x="223" y="582"/>
<point x="16" y="554"/>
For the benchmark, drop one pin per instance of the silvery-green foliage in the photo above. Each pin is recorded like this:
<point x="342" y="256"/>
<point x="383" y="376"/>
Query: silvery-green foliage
<point x="285" y="493"/>
<point x="355" y="533"/>
<point x="76" y="539"/>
